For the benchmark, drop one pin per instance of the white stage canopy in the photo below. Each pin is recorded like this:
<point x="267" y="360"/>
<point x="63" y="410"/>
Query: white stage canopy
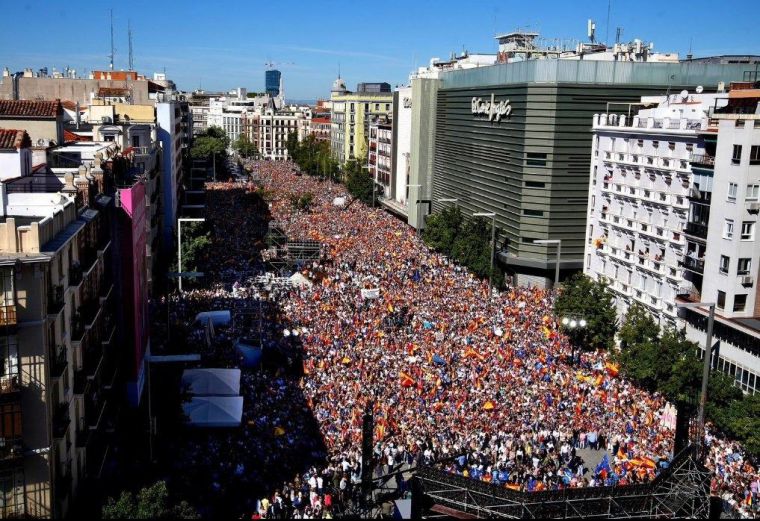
<point x="214" y="411"/>
<point x="212" y="382"/>
<point x="218" y="318"/>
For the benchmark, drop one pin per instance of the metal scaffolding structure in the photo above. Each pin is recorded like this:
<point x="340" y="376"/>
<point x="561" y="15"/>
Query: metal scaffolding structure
<point x="680" y="491"/>
<point x="282" y="253"/>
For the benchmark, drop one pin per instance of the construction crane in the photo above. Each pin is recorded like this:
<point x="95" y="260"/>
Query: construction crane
<point x="271" y="65"/>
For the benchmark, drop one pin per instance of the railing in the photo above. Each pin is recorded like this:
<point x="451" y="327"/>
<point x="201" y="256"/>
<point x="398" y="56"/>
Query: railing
<point x="702" y="159"/>
<point x="77" y="327"/>
<point x="89" y="310"/>
<point x="8" y="315"/>
<point x="58" y="361"/>
<point x="87" y="257"/>
<point x="75" y="274"/>
<point x="55" y="300"/>
<point x="11" y="448"/>
<point x="9" y="384"/>
<point x="696" y="265"/>
<point x="696" y="230"/>
<point x="61" y="420"/>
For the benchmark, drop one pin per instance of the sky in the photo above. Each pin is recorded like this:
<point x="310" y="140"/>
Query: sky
<point x="201" y="44"/>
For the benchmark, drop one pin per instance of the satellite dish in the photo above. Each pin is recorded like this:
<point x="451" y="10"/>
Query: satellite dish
<point x="40" y="142"/>
<point x="699" y="89"/>
<point x="684" y="94"/>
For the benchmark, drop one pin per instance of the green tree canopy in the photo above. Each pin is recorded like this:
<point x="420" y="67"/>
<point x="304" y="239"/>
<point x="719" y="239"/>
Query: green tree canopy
<point x="151" y="503"/>
<point x="213" y="141"/>
<point x="245" y="148"/>
<point x="359" y="183"/>
<point x="442" y="228"/>
<point x="586" y="298"/>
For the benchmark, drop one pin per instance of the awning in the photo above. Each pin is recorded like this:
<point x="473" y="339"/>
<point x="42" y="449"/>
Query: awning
<point x="212" y="382"/>
<point x="214" y="411"/>
<point x="218" y="318"/>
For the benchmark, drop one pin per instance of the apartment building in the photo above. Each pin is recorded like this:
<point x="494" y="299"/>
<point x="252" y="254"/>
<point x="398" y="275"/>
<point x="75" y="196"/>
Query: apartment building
<point x="320" y="128"/>
<point x="673" y="203"/>
<point x="351" y="114"/>
<point x="59" y="331"/>
<point x="269" y="127"/>
<point x="380" y="157"/>
<point x="43" y="120"/>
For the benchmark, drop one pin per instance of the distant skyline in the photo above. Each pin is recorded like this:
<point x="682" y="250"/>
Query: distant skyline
<point x="223" y="47"/>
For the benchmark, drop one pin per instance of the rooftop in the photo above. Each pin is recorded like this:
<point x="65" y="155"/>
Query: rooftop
<point x="30" y="109"/>
<point x="12" y="139"/>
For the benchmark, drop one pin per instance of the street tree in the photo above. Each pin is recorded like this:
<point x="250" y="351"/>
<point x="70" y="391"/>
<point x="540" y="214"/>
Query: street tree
<point x="591" y="300"/>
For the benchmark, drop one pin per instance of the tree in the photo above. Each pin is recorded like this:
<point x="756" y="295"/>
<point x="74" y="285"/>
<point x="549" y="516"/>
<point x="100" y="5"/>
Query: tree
<point x="744" y="422"/>
<point x="639" y="327"/>
<point x="245" y="148"/>
<point x="442" y="228"/>
<point x="301" y="202"/>
<point x="212" y="143"/>
<point x="151" y="503"/>
<point x="358" y="182"/>
<point x="196" y="244"/>
<point x="291" y="144"/>
<point x="589" y="299"/>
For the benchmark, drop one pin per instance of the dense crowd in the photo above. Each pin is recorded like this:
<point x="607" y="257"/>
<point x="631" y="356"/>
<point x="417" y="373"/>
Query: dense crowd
<point x="480" y="383"/>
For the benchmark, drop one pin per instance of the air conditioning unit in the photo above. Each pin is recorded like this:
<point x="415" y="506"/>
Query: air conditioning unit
<point x="747" y="280"/>
<point x="753" y="207"/>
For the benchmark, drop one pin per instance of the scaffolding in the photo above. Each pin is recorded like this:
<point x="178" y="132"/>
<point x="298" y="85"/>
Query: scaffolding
<point x="680" y="491"/>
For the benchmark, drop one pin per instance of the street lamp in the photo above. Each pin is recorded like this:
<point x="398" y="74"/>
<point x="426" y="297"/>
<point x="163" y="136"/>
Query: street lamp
<point x="558" y="242"/>
<point x="492" y="215"/>
<point x="705" y="367"/>
<point x="179" y="244"/>
<point x="572" y="322"/>
<point x="450" y="200"/>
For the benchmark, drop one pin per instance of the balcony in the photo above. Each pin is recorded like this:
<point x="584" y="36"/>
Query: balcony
<point x="702" y="159"/>
<point x="696" y="230"/>
<point x="11" y="449"/>
<point x="77" y="328"/>
<point x="61" y="420"/>
<point x="58" y="361"/>
<point x="75" y="274"/>
<point x="692" y="264"/>
<point x="87" y="258"/>
<point x="55" y="300"/>
<point x="8" y="315"/>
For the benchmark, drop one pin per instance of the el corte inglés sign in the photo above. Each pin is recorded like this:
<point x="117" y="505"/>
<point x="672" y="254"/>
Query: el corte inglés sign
<point x="495" y="110"/>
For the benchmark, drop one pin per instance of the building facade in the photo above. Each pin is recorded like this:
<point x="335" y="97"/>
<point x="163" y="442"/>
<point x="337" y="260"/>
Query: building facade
<point x="272" y="82"/>
<point x="380" y="157"/>
<point x="269" y="127"/>
<point x="675" y="197"/>
<point x="351" y="115"/>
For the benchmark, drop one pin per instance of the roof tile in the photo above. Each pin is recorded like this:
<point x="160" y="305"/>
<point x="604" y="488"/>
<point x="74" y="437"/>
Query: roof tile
<point x="29" y="109"/>
<point x="11" y="139"/>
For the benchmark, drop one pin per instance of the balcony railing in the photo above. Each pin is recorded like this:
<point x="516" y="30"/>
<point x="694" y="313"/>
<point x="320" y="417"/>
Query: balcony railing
<point x="702" y="159"/>
<point x="75" y="274"/>
<point x="692" y="264"/>
<point x="8" y="315"/>
<point x="77" y="327"/>
<point x="61" y="420"/>
<point x="55" y="300"/>
<point x="696" y="230"/>
<point x="87" y="258"/>
<point x="58" y="361"/>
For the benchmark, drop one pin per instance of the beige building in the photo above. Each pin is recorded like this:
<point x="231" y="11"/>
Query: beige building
<point x="43" y="120"/>
<point x="57" y="326"/>
<point x="351" y="115"/>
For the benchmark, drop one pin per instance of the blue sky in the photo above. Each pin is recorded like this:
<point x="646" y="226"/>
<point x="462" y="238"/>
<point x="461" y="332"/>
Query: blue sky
<point x="200" y="43"/>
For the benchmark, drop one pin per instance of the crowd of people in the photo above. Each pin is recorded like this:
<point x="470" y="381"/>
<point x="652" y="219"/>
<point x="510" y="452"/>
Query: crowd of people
<point x="479" y="383"/>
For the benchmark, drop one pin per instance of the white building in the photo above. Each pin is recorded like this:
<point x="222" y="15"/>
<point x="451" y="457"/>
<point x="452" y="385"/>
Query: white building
<point x="673" y="206"/>
<point x="230" y="112"/>
<point x="268" y="127"/>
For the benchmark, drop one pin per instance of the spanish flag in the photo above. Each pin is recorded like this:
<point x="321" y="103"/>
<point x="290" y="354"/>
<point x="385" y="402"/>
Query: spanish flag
<point x="405" y="379"/>
<point x="648" y="463"/>
<point x="390" y="308"/>
<point x="612" y="369"/>
<point x="471" y="353"/>
<point x="513" y="486"/>
<point x="279" y="431"/>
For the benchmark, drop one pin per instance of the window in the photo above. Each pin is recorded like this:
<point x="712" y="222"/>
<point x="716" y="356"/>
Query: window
<point x="743" y="266"/>
<point x="721" y="299"/>
<point x="725" y="262"/>
<point x="641" y="142"/>
<point x="533" y="213"/>
<point x="535" y="184"/>
<point x="740" y="302"/>
<point x="352" y="107"/>
<point x="740" y="123"/>
<point x="689" y="147"/>
<point x="535" y="159"/>
<point x="728" y="229"/>
<point x="732" y="189"/>
<point x="753" y="192"/>
<point x="377" y="106"/>
<point x="736" y="157"/>
<point x="748" y="231"/>
<point x="754" y="155"/>
<point x="655" y="144"/>
<point x="671" y="145"/>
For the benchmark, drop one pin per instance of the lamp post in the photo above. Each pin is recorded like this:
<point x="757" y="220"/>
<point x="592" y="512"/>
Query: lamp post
<point x="558" y="242"/>
<point x="492" y="215"/>
<point x="573" y="322"/>
<point x="450" y="200"/>
<point x="705" y="367"/>
<point x="179" y="243"/>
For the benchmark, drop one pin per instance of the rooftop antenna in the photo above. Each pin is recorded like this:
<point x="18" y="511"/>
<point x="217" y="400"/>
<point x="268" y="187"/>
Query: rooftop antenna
<point x="338" y="70"/>
<point x="112" y="49"/>
<point x="607" y="28"/>
<point x="131" y="57"/>
<point x="618" y="34"/>
<point x="690" y="55"/>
